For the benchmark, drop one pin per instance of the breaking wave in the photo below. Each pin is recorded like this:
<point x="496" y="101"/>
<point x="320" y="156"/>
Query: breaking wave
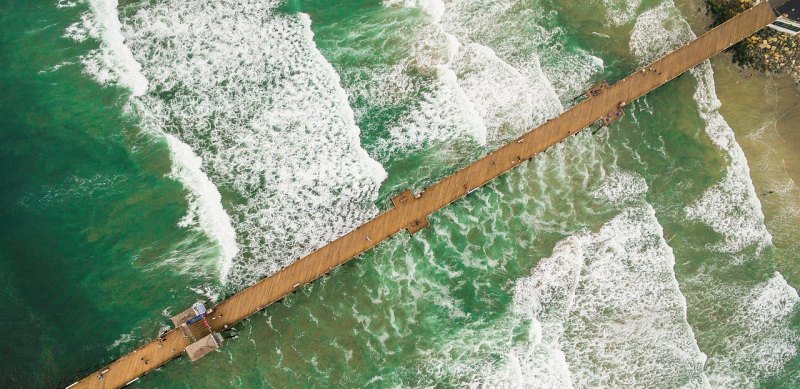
<point x="755" y="341"/>
<point x="113" y="61"/>
<point x="479" y="77"/>
<point x="619" y="12"/>
<point x="205" y="203"/>
<point x="730" y="207"/>
<point x="604" y="310"/>
<point x="627" y="325"/>
<point x="658" y="31"/>
<point x="264" y="114"/>
<point x="621" y="187"/>
<point x="245" y="86"/>
<point x="764" y="341"/>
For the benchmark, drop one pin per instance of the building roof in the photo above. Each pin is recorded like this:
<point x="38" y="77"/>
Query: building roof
<point x="203" y="346"/>
<point x="790" y="9"/>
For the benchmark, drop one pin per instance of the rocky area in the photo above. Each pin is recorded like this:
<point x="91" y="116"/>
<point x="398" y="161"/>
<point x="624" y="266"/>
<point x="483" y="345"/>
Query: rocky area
<point x="767" y="50"/>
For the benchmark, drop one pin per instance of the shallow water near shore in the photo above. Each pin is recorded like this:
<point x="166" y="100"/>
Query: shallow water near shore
<point x="157" y="153"/>
<point x="765" y="112"/>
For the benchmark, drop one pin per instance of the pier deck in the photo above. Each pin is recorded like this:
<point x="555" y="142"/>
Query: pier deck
<point x="411" y="211"/>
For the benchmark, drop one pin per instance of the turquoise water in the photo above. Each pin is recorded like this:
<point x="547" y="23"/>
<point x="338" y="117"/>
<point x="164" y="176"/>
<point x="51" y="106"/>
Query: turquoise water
<point x="636" y="256"/>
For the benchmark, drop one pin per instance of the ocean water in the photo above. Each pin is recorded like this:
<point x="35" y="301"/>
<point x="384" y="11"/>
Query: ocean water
<point x="156" y="153"/>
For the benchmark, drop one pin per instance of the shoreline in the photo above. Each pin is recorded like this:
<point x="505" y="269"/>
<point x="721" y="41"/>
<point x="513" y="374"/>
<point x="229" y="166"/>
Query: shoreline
<point x="764" y="111"/>
<point x="761" y="107"/>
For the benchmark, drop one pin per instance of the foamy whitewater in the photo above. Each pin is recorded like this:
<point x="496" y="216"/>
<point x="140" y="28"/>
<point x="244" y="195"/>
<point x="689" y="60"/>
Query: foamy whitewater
<point x="491" y="354"/>
<point x="611" y="302"/>
<point x="259" y="123"/>
<point x="556" y="73"/>
<point x="764" y="340"/>
<point x="605" y="310"/>
<point x="620" y="12"/>
<point x="114" y="62"/>
<point x="621" y="187"/>
<point x="498" y="99"/>
<point x="247" y="89"/>
<point x="205" y="205"/>
<point x="731" y="207"/>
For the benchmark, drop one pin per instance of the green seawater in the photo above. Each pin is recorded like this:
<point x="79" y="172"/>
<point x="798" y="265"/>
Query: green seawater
<point x="95" y="250"/>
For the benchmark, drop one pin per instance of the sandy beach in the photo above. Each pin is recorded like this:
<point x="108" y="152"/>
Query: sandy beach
<point x="764" y="111"/>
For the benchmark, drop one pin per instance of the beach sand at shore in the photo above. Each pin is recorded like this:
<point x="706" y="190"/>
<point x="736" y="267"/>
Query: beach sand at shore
<point x="764" y="112"/>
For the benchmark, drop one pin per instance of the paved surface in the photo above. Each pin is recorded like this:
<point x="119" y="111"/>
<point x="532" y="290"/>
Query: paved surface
<point x="412" y="211"/>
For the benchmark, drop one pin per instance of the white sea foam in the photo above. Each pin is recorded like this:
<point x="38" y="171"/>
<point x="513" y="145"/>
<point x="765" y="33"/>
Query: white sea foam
<point x="506" y="99"/>
<point x="604" y="310"/>
<point x="755" y="342"/>
<point x="123" y="339"/>
<point x="434" y="8"/>
<point x="416" y="77"/>
<point x="626" y="324"/>
<point x="620" y="12"/>
<point x="519" y="350"/>
<point x="572" y="73"/>
<point x="764" y="342"/>
<point x="205" y="203"/>
<point x="659" y="31"/>
<point x="620" y="187"/>
<point x="113" y="62"/>
<point x="482" y="82"/>
<point x="545" y="298"/>
<point x="442" y="114"/>
<point x="730" y="207"/>
<point x="56" y="67"/>
<point x="491" y="60"/>
<point x="445" y="111"/>
<point x="67" y="3"/>
<point x="210" y="292"/>
<point x="247" y="89"/>
<point x="516" y="34"/>
<point x="493" y="99"/>
<point x="82" y="30"/>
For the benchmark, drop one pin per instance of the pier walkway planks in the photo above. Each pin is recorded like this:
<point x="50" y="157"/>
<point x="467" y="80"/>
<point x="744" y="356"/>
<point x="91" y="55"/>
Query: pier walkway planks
<point x="411" y="211"/>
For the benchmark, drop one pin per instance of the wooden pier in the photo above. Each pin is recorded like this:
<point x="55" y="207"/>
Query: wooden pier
<point x="603" y="104"/>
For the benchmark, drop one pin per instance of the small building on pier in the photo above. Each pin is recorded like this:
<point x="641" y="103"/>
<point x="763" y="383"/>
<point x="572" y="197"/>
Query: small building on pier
<point x="788" y="17"/>
<point x="195" y="327"/>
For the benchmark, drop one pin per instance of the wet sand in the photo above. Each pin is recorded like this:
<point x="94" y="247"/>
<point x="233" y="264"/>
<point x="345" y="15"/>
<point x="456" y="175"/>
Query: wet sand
<point x="764" y="112"/>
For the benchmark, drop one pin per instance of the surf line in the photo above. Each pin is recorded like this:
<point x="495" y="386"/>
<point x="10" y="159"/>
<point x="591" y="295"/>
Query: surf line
<point x="602" y="104"/>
